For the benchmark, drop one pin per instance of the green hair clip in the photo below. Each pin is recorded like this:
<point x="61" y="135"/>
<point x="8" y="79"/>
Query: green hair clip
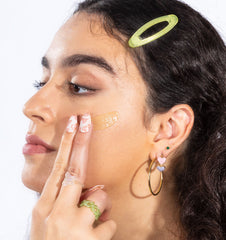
<point x="137" y="41"/>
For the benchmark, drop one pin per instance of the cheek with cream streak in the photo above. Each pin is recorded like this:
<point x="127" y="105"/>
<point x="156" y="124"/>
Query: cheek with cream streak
<point x="100" y="123"/>
<point x="104" y="121"/>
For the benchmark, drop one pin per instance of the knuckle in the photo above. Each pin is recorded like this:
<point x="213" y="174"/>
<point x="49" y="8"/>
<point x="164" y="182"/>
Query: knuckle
<point x="53" y="220"/>
<point x="49" y="221"/>
<point x="102" y="196"/>
<point x="38" y="212"/>
<point x="112" y="226"/>
<point x="74" y="171"/>
<point x="81" y="234"/>
<point x="59" y="166"/>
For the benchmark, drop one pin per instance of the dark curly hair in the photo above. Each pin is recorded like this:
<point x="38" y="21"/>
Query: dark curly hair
<point x="186" y="66"/>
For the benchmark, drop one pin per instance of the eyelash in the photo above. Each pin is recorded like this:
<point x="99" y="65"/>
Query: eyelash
<point x="39" y="84"/>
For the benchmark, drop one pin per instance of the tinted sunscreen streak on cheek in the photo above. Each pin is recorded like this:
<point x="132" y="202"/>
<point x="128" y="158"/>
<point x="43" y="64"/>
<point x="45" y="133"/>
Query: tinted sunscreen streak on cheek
<point x="105" y="120"/>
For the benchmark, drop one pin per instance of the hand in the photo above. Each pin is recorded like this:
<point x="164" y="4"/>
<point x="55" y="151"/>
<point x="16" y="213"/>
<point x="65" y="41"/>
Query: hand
<point x="57" y="215"/>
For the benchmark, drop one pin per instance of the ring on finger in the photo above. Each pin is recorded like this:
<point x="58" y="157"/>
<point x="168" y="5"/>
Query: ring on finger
<point x="71" y="180"/>
<point x="93" y="207"/>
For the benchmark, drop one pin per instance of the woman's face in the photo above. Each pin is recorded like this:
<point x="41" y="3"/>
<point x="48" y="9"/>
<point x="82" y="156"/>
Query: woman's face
<point x="84" y="54"/>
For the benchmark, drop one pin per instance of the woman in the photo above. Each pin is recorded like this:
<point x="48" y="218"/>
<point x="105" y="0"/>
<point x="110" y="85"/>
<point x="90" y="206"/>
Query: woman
<point x="144" y="145"/>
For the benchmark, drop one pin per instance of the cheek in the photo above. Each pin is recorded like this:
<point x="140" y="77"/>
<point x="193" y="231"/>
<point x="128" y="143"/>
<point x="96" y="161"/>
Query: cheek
<point x="116" y="152"/>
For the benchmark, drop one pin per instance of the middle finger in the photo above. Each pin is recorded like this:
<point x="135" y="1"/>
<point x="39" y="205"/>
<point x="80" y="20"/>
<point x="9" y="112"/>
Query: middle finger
<point x="75" y="177"/>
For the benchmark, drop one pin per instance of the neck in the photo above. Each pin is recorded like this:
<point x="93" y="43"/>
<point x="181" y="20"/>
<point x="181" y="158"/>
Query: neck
<point x="151" y="217"/>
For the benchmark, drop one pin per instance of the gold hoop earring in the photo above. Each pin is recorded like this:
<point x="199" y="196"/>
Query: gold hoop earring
<point x="160" y="168"/>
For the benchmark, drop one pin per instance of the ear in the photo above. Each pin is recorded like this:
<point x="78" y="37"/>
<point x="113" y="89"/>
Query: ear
<point x="170" y="129"/>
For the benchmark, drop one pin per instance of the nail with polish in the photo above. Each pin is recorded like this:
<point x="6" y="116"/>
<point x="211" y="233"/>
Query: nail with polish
<point x="89" y="191"/>
<point x="85" y="123"/>
<point x="72" y="123"/>
<point x="95" y="188"/>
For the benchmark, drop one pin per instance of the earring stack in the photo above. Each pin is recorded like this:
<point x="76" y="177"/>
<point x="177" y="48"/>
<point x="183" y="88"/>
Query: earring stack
<point x="159" y="164"/>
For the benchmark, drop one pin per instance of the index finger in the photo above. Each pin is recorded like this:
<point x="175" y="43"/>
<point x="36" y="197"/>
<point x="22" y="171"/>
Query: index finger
<point x="53" y="183"/>
<point x="75" y="177"/>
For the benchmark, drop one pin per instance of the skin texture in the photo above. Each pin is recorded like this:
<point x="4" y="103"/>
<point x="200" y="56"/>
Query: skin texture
<point x="116" y="152"/>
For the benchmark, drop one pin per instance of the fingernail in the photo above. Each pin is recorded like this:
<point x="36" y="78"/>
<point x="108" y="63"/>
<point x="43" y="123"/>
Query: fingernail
<point x="90" y="190"/>
<point x="72" y="124"/>
<point x="93" y="189"/>
<point x="85" y="123"/>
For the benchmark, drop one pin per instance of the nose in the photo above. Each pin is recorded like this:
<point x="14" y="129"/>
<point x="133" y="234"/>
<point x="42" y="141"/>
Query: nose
<point x="39" y="108"/>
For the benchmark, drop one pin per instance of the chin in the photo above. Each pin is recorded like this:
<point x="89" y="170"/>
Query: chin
<point x="32" y="179"/>
<point x="36" y="171"/>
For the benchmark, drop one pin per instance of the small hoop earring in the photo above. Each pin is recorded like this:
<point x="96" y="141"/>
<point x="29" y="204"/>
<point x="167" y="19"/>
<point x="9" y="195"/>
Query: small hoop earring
<point x="160" y="168"/>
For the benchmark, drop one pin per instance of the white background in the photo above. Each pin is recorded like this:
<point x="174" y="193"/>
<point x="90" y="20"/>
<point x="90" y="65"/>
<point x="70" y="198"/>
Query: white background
<point x="26" y="29"/>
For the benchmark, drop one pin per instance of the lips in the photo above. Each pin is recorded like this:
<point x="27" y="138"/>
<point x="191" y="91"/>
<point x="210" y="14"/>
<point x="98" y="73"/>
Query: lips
<point x="36" y="145"/>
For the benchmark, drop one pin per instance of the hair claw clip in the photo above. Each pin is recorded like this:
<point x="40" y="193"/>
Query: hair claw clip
<point x="137" y="41"/>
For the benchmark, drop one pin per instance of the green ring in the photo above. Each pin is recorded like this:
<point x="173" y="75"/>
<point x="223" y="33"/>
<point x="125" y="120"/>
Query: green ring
<point x="92" y="206"/>
<point x="137" y="41"/>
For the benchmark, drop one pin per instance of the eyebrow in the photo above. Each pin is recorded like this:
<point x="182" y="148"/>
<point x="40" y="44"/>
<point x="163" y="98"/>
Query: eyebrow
<point x="76" y="59"/>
